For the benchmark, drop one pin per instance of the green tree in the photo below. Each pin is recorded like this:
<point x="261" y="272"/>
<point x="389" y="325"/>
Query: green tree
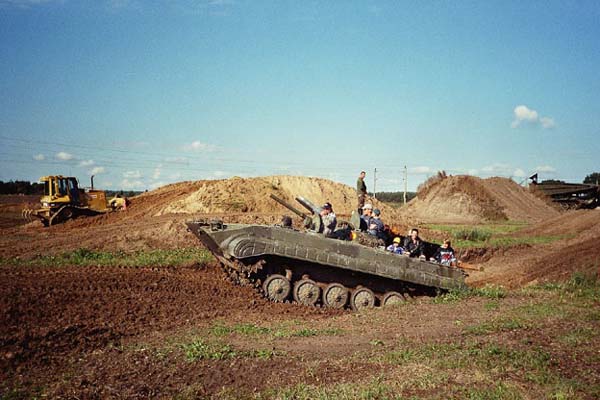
<point x="593" y="178"/>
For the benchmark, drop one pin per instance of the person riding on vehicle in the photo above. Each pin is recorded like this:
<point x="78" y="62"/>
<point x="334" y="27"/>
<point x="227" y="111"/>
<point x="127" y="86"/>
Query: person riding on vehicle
<point x="395" y="246"/>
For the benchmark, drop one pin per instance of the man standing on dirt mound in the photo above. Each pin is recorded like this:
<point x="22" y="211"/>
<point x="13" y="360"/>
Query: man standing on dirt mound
<point x="361" y="190"/>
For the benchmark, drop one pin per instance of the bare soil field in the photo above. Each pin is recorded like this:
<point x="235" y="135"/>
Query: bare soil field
<point x="11" y="207"/>
<point x="110" y="327"/>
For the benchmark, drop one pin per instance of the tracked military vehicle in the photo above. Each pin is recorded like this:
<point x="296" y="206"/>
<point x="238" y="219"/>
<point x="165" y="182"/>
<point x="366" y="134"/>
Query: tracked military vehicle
<point x="303" y="265"/>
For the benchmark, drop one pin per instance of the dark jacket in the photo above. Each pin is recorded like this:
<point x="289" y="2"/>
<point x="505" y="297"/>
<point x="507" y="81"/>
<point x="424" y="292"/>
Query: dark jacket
<point x="361" y="186"/>
<point x="414" y="249"/>
<point x="445" y="256"/>
<point x="380" y="227"/>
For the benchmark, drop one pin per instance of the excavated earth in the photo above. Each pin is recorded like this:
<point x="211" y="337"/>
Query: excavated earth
<point x="464" y="199"/>
<point x="85" y="332"/>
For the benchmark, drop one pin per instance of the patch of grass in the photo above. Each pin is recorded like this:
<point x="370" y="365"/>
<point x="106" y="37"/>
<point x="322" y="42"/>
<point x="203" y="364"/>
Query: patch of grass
<point x="200" y="350"/>
<point x="242" y="329"/>
<point x="514" y="241"/>
<point x="500" y="391"/>
<point x="580" y="285"/>
<point x="579" y="336"/>
<point x="496" y="325"/>
<point x="493" y="229"/>
<point x="488" y="291"/>
<point x="87" y="257"/>
<point x="376" y="389"/>
<point x="220" y="330"/>
<point x="491" y="235"/>
<point x="472" y="235"/>
<point x="491" y="305"/>
<point x="305" y="332"/>
<point x="399" y="356"/>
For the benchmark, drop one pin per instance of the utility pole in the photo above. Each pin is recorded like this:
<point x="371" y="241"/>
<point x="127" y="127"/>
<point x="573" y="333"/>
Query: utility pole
<point x="405" y="182"/>
<point x="375" y="183"/>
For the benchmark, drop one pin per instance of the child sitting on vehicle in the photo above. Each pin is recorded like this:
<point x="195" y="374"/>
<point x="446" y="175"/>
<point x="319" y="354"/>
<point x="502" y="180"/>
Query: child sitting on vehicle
<point x="445" y="254"/>
<point x="395" y="246"/>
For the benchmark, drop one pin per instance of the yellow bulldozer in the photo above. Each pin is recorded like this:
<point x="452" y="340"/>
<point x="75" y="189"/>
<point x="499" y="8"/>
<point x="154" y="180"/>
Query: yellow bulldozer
<point x="63" y="199"/>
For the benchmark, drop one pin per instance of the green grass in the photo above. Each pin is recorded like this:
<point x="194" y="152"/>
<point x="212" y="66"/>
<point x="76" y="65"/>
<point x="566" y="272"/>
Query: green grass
<point x="496" y="325"/>
<point x="375" y="389"/>
<point x="220" y="329"/>
<point x="242" y="329"/>
<point x="472" y="234"/>
<point x="491" y="235"/>
<point x="489" y="291"/>
<point x="86" y="257"/>
<point x="579" y="286"/>
<point x="200" y="349"/>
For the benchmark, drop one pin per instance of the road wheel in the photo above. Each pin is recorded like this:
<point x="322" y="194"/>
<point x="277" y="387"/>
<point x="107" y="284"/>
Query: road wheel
<point x="277" y="288"/>
<point x="306" y="292"/>
<point x="67" y="214"/>
<point x="335" y="295"/>
<point x="391" y="298"/>
<point x="362" y="299"/>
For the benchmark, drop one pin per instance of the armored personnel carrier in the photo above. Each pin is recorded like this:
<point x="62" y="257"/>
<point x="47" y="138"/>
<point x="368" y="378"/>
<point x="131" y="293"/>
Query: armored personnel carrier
<point x="305" y="265"/>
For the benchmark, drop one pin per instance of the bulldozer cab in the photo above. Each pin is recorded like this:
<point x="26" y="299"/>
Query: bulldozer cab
<point x="60" y="190"/>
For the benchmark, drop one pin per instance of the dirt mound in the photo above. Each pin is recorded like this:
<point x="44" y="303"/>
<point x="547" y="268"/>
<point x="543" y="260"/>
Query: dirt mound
<point x="572" y="247"/>
<point x="251" y="195"/>
<point x="468" y="199"/>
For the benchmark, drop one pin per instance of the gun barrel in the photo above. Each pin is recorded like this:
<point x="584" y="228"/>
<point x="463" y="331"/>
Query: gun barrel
<point x="308" y="205"/>
<point x="288" y="206"/>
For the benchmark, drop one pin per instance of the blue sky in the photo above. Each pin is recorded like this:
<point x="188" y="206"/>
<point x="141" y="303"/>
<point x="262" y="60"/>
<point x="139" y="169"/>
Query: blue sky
<point x="143" y="93"/>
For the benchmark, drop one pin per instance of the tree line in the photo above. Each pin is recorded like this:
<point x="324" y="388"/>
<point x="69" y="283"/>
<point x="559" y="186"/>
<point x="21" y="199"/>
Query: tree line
<point x="21" y="187"/>
<point x="394" y="197"/>
<point x="36" y="188"/>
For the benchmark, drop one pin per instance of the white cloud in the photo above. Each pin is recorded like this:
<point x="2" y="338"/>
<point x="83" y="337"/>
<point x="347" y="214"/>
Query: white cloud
<point x="524" y="114"/>
<point x="219" y="173"/>
<point x="175" y="176"/>
<point x="97" y="170"/>
<point x="547" y="122"/>
<point x="157" y="184"/>
<point x="86" y="163"/>
<point x="64" y="156"/>
<point x="420" y="170"/>
<point x="519" y="173"/>
<point x="132" y="174"/>
<point x="199" y="146"/>
<point x="545" y="168"/>
<point x="127" y="184"/>
<point x="157" y="172"/>
<point x="500" y="169"/>
<point x="39" y="157"/>
<point x="472" y="171"/>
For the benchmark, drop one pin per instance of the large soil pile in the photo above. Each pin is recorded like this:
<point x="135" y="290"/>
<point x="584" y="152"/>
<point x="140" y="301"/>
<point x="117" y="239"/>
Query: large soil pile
<point x="468" y="199"/>
<point x="251" y="195"/>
